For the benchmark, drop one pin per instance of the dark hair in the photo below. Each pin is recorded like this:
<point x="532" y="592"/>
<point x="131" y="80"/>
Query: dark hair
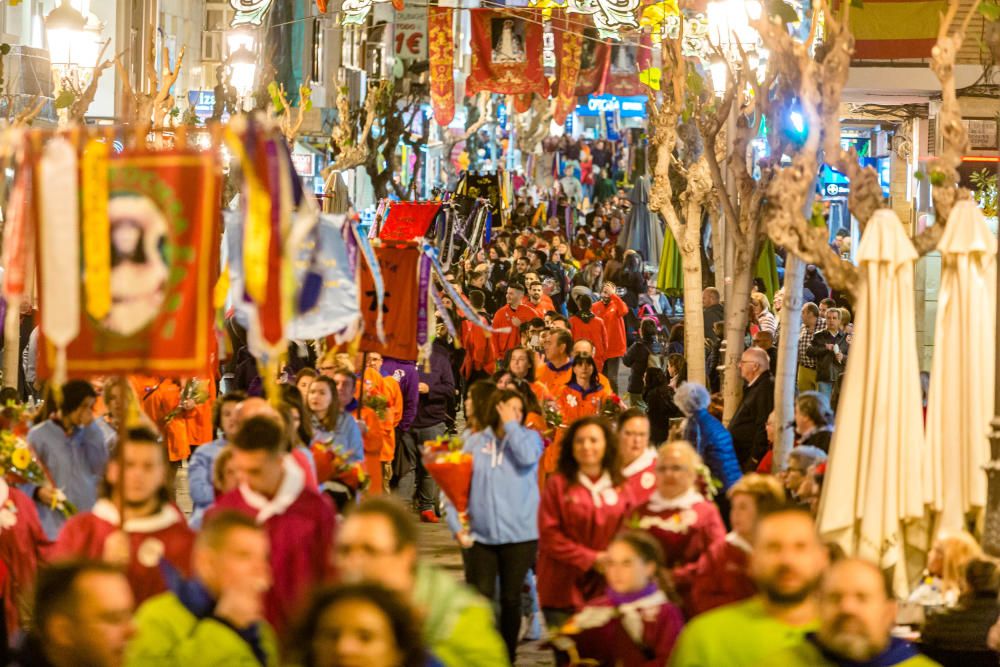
<point x="586" y="360"/>
<point x="530" y="377"/>
<point x="329" y="420"/>
<point x="584" y="303"/>
<point x="649" y="550"/>
<point x="567" y="465"/>
<point x="9" y="395"/>
<point x="648" y="329"/>
<point x="228" y="397"/>
<point x="477" y="299"/>
<point x="563" y="337"/>
<point x="676" y="334"/>
<point x="828" y="302"/>
<point x="768" y="511"/>
<point x="305" y="372"/>
<point x="304" y="434"/>
<point x="630" y="414"/>
<point x="517" y="286"/>
<point x="981" y="576"/>
<point x="559" y="317"/>
<point x="401" y="618"/>
<point x="528" y="397"/>
<point x="55" y="589"/>
<point x="810" y="307"/>
<point x="261" y="433"/>
<point x="74" y="393"/>
<point x="218" y="525"/>
<point x="816" y="406"/>
<point x="479" y="393"/>
<point x="141" y="435"/>
<point x="680" y="363"/>
<point x="404" y="528"/>
<point x="498" y="397"/>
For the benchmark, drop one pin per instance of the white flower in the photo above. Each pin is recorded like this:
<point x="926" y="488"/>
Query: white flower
<point x="571" y="400"/>
<point x="7" y="518"/>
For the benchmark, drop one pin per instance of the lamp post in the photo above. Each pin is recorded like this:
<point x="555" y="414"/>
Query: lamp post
<point x="242" y="63"/>
<point x="73" y="49"/>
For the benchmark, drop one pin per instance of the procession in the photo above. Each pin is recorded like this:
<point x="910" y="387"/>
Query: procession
<point x="546" y="332"/>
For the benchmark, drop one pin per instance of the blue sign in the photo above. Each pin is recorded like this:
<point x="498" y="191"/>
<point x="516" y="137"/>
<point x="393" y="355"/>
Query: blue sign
<point x="502" y="115"/>
<point x="627" y="107"/>
<point x="203" y="103"/>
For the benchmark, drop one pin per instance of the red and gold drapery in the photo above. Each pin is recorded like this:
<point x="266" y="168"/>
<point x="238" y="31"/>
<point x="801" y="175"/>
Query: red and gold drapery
<point x="569" y="46"/>
<point x="441" y="53"/>
<point x="506" y="53"/>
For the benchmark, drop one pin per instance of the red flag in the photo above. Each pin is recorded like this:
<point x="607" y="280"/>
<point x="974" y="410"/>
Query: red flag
<point x="441" y="54"/>
<point x="594" y="59"/>
<point x="408" y="220"/>
<point x="399" y="310"/>
<point x="506" y="53"/>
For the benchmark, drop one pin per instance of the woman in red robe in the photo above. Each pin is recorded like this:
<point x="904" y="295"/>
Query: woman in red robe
<point x="582" y="509"/>
<point x="23" y="544"/>
<point x="634" y="624"/>
<point x="638" y="458"/>
<point x="677" y="515"/>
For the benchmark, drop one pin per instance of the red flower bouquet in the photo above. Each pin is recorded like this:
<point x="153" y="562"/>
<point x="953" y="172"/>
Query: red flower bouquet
<point x="611" y="407"/>
<point x="333" y="465"/>
<point x="451" y="468"/>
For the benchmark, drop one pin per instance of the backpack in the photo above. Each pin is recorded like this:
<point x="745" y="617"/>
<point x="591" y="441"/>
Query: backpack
<point x="657" y="355"/>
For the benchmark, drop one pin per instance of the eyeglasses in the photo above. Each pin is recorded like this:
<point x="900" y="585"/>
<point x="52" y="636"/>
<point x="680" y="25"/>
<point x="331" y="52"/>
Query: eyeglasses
<point x="673" y="468"/>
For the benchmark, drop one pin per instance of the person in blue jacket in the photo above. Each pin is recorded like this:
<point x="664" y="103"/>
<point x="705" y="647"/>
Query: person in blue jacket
<point x="707" y="435"/>
<point x="501" y="535"/>
<point x="226" y="422"/>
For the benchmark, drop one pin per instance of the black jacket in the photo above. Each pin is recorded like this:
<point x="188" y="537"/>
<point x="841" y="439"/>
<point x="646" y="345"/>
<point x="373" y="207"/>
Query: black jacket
<point x="828" y="369"/>
<point x="714" y="313"/>
<point x="661" y="409"/>
<point x="748" y="424"/>
<point x="637" y="359"/>
<point x="819" y="438"/>
<point x="958" y="636"/>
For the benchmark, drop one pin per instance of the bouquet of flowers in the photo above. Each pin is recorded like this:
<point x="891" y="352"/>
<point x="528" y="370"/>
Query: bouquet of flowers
<point x="611" y="407"/>
<point x="19" y="463"/>
<point x="195" y="391"/>
<point x="451" y="468"/>
<point x="707" y="485"/>
<point x="377" y="403"/>
<point x="553" y="418"/>
<point x="334" y="464"/>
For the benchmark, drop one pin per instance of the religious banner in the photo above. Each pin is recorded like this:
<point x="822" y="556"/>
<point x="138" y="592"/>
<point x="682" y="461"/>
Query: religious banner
<point x="441" y="52"/>
<point x="400" y="270"/>
<point x="892" y="29"/>
<point x="594" y="58"/>
<point x="627" y="60"/>
<point x="506" y="53"/>
<point x="569" y="47"/>
<point x="163" y="236"/>
<point x="522" y="103"/>
<point x="408" y="220"/>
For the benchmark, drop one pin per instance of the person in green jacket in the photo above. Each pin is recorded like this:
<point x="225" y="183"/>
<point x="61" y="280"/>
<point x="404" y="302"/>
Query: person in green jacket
<point x="378" y="543"/>
<point x="216" y="618"/>
<point x="857" y="613"/>
<point x="788" y="560"/>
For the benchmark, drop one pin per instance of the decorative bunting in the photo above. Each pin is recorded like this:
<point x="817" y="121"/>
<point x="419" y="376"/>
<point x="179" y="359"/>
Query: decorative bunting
<point x="441" y="53"/>
<point x="164" y="239"/>
<point x="506" y="53"/>
<point x="59" y="248"/>
<point x="571" y="40"/>
<point x="96" y="228"/>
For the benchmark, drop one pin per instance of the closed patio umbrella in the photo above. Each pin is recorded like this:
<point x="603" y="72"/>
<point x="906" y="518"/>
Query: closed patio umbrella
<point x="872" y="503"/>
<point x="643" y="230"/>
<point x="960" y="400"/>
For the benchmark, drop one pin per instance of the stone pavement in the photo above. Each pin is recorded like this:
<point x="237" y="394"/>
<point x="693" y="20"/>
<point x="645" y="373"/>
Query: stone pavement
<point x="438" y="547"/>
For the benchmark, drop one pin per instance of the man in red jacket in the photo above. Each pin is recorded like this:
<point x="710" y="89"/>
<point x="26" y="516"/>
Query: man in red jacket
<point x="612" y="310"/>
<point x="298" y="519"/>
<point x="153" y="529"/>
<point x="510" y="317"/>
<point x="585" y="325"/>
<point x="479" y="362"/>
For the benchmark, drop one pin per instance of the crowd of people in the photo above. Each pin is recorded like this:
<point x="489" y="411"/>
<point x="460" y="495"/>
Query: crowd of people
<point x="607" y="498"/>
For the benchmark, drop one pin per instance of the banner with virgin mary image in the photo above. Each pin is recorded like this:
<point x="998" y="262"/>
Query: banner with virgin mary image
<point x="627" y="60"/>
<point x="163" y="212"/>
<point x="506" y="53"/>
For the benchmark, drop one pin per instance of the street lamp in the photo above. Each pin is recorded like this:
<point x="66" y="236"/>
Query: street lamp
<point x="73" y="40"/>
<point x="242" y="61"/>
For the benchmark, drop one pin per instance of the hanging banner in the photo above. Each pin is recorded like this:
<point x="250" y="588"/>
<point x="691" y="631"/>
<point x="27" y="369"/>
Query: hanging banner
<point x="522" y="103"/>
<point x="887" y="30"/>
<point x="408" y="220"/>
<point x="594" y="58"/>
<point x="569" y="47"/>
<point x="400" y="266"/>
<point x="627" y="60"/>
<point x="506" y="53"/>
<point x="441" y="53"/>
<point x="410" y="28"/>
<point x="164" y="238"/>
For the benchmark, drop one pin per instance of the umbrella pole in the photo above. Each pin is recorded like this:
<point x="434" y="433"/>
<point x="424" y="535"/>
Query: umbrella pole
<point x="991" y="524"/>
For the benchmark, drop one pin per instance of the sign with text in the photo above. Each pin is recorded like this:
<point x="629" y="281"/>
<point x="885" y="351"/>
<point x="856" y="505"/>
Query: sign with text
<point x="411" y="33"/>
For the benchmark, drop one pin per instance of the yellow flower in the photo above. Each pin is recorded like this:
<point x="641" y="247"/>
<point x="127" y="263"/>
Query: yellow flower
<point x="21" y="458"/>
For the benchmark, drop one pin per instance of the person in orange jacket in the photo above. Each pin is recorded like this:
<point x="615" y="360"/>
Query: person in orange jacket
<point x="582" y="396"/>
<point x="394" y="414"/>
<point x="585" y="325"/>
<point x="348" y="393"/>
<point x="161" y="401"/>
<point x="612" y="310"/>
<point x="480" y="359"/>
<point x="556" y="368"/>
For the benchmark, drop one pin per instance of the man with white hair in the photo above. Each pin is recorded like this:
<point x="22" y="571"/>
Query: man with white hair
<point x="707" y="434"/>
<point x="749" y="422"/>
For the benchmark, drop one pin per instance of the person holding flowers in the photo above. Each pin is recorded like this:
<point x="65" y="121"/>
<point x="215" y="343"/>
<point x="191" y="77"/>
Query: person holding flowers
<point x="501" y="536"/>
<point x="582" y="508"/>
<point x="329" y="424"/>
<point x="72" y="448"/>
<point x="369" y="421"/>
<point x="23" y="545"/>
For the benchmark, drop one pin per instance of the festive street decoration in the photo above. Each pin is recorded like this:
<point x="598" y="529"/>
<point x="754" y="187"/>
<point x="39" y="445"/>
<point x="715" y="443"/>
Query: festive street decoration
<point x="569" y="47"/>
<point x="610" y="16"/>
<point x="400" y="266"/>
<point x="252" y="12"/>
<point x="441" y="52"/>
<point x="506" y="53"/>
<point x="595" y="55"/>
<point x="408" y="220"/>
<point x="627" y="60"/>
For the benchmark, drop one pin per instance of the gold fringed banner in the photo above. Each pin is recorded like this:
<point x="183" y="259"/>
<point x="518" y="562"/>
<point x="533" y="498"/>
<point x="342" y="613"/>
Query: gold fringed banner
<point x="569" y="68"/>
<point x="441" y="52"/>
<point x="522" y="103"/>
<point x="96" y="229"/>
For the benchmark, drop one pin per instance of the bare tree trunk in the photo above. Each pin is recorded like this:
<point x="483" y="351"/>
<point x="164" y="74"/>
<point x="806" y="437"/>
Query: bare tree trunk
<point x="737" y="316"/>
<point x="694" y="319"/>
<point x="788" y="360"/>
<point x="719" y="252"/>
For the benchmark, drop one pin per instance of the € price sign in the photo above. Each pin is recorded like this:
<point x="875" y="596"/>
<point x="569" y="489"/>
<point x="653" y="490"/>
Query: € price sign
<point x="411" y="33"/>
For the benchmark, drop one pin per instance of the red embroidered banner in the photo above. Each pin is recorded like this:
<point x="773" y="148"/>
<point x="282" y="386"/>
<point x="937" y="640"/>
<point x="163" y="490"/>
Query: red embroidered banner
<point x="522" y="103"/>
<point x="569" y="47"/>
<point x="408" y="220"/>
<point x="627" y="60"/>
<point x="594" y="59"/>
<point x="441" y="53"/>
<point x="164" y="237"/>
<point x="506" y="53"/>
<point x="399" y="308"/>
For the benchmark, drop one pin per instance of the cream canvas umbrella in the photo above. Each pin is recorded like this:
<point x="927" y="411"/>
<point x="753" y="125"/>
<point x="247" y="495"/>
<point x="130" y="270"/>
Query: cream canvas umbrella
<point x="872" y="503"/>
<point x="960" y="401"/>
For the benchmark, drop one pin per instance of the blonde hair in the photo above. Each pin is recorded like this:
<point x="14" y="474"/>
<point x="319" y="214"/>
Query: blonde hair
<point x="760" y="299"/>
<point x="686" y="450"/>
<point x="219" y="466"/>
<point x="957" y="551"/>
<point x="764" y="489"/>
